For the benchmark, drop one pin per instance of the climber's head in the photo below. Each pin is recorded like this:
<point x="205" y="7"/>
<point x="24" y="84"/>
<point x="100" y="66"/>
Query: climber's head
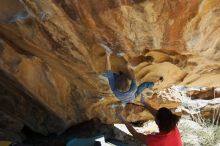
<point x="166" y="120"/>
<point x="122" y="82"/>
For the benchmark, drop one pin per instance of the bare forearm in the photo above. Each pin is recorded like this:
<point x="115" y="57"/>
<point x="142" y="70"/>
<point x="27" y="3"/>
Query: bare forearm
<point x="130" y="128"/>
<point x="108" y="63"/>
<point x="135" y="134"/>
<point x="150" y="109"/>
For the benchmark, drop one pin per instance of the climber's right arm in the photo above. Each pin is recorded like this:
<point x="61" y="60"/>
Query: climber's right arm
<point x="148" y="107"/>
<point x="108" y="63"/>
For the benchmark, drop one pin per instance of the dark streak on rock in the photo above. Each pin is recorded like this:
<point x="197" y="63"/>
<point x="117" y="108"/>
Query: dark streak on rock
<point x="70" y="10"/>
<point x="23" y="105"/>
<point x="54" y="45"/>
<point x="14" y="46"/>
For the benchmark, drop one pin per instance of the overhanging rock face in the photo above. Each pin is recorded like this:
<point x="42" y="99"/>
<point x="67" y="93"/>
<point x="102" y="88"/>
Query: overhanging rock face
<point x="51" y="59"/>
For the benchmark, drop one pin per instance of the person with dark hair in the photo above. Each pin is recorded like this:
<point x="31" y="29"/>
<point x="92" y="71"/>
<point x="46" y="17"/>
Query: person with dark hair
<point x="119" y="83"/>
<point x="167" y="123"/>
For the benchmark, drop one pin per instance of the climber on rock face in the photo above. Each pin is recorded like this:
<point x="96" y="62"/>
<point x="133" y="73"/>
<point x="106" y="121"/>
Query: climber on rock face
<point x="119" y="83"/>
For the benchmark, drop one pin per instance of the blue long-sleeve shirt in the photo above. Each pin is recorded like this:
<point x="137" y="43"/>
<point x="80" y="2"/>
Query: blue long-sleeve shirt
<point x="143" y="86"/>
<point x="127" y="96"/>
